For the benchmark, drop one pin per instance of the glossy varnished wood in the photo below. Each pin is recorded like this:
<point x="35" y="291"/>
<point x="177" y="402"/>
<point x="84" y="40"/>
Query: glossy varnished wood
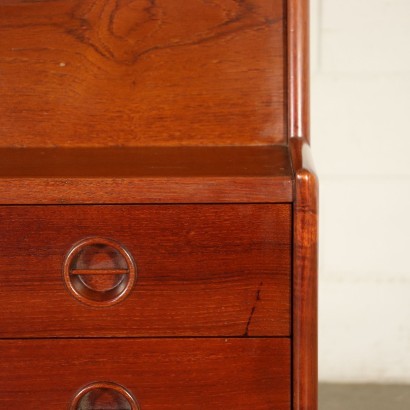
<point x="164" y="103"/>
<point x="298" y="69"/>
<point x="305" y="213"/>
<point x="99" y="272"/>
<point x="202" y="270"/>
<point x="145" y="175"/>
<point x="162" y="374"/>
<point x="104" y="395"/>
<point x="114" y="73"/>
<point x="305" y="279"/>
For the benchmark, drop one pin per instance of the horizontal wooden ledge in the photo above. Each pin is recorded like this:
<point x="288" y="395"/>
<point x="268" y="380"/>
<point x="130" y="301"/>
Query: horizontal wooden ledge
<point x="145" y="175"/>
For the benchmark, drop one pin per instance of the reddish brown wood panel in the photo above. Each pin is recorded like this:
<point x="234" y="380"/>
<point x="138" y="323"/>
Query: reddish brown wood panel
<point x="208" y="270"/>
<point x="305" y="279"/>
<point x="114" y="73"/>
<point x="145" y="175"/>
<point x="162" y="374"/>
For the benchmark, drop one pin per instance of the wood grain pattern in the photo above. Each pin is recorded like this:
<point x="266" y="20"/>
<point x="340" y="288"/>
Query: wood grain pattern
<point x="162" y="374"/>
<point x="202" y="270"/>
<point x="201" y="102"/>
<point x="141" y="72"/>
<point x="145" y="175"/>
<point x="305" y="279"/>
<point x="298" y="68"/>
<point x="305" y="214"/>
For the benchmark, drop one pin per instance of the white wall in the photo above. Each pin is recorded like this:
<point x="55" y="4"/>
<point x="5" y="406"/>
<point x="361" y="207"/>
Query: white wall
<point x="361" y="144"/>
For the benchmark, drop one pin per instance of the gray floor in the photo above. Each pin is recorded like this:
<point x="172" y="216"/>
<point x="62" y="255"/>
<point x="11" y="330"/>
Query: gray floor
<point x="363" y="397"/>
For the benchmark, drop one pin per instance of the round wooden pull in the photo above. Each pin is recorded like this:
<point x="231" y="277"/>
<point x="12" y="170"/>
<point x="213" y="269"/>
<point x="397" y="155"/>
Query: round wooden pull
<point x="99" y="272"/>
<point x="104" y="396"/>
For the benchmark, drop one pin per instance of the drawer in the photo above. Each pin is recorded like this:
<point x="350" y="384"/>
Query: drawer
<point x="159" y="374"/>
<point x="145" y="270"/>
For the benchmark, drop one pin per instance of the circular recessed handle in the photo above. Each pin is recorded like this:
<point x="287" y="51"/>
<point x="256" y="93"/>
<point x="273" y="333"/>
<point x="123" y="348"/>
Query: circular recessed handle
<point x="99" y="271"/>
<point x="104" y="396"/>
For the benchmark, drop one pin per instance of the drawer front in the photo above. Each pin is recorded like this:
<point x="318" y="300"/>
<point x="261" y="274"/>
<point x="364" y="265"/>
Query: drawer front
<point x="179" y="270"/>
<point x="157" y="374"/>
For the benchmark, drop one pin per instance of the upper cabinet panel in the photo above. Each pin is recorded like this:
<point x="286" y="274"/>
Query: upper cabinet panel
<point x="142" y="72"/>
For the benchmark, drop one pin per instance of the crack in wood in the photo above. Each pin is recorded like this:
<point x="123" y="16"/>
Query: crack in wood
<point x="257" y="299"/>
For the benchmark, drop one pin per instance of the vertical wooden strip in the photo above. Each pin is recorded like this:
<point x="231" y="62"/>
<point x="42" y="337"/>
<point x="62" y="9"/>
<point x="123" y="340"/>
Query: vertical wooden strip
<point x="298" y="68"/>
<point x="305" y="328"/>
<point x="305" y="372"/>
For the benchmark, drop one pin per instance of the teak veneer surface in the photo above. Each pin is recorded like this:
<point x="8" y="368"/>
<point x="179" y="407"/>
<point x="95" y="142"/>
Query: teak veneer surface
<point x="145" y="175"/>
<point x="163" y="374"/>
<point x="164" y="103"/>
<point x="202" y="270"/>
<point x="109" y="73"/>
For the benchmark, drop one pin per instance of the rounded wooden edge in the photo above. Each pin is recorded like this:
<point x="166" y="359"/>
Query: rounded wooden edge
<point x="298" y="68"/>
<point x="105" y="385"/>
<point x="131" y="275"/>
